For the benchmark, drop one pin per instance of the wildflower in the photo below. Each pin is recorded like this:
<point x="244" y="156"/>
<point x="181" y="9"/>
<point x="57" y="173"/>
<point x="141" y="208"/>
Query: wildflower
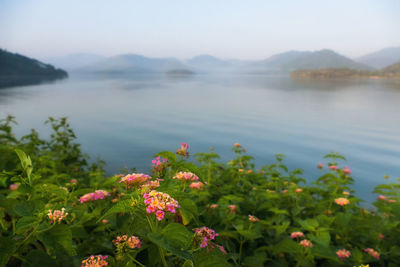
<point x="104" y="221"/>
<point x="98" y="194"/>
<point x="213" y="206"/>
<point x="73" y="181"/>
<point x="320" y="165"/>
<point x="13" y="187"/>
<point x="253" y="218"/>
<point x="159" y="203"/>
<point x="284" y="191"/>
<point x="131" y="242"/>
<point x="159" y="163"/>
<point x="204" y="235"/>
<point x="343" y="254"/>
<point x="95" y="261"/>
<point x="299" y="190"/>
<point x="306" y="243"/>
<point x="232" y="208"/>
<point x="381" y="236"/>
<point x="296" y="235"/>
<point x="135" y="179"/>
<point x="236" y="145"/>
<point x="373" y="253"/>
<point x="149" y="185"/>
<point x="345" y="193"/>
<point x="333" y="167"/>
<point x="391" y="201"/>
<point x="221" y="248"/>
<point x="183" y="150"/>
<point x="250" y="171"/>
<point x="196" y="185"/>
<point x="342" y="201"/>
<point x="381" y="197"/>
<point x="57" y="215"/>
<point x="347" y="170"/>
<point x="240" y="170"/>
<point x="186" y="176"/>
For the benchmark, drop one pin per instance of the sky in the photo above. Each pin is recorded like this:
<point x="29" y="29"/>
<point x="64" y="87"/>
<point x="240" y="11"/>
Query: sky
<point x="183" y="29"/>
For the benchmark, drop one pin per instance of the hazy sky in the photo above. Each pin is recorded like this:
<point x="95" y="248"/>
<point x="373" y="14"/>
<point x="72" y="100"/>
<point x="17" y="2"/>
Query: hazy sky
<point x="225" y="28"/>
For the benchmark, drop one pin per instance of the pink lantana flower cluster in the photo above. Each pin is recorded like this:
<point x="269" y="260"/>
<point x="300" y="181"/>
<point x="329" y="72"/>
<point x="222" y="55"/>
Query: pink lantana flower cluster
<point x="13" y="187"/>
<point x="98" y="194"/>
<point x="95" y="261"/>
<point x="196" y="185"/>
<point x="131" y="242"/>
<point x="296" y="235"/>
<point x="205" y="235"/>
<point x="159" y="203"/>
<point x="342" y="201"/>
<point x="135" y="179"/>
<point x="373" y="253"/>
<point x="343" y="254"/>
<point x="186" y="176"/>
<point x="183" y="150"/>
<point x="57" y="215"/>
<point x="253" y="218"/>
<point x="159" y="163"/>
<point x="306" y="243"/>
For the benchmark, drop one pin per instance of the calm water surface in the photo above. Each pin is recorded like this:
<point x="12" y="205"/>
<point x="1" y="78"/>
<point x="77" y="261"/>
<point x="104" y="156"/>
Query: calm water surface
<point x="126" y="120"/>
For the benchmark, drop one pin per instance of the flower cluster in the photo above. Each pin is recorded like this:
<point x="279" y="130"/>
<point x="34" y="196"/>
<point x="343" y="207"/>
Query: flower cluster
<point x="346" y="170"/>
<point x="159" y="164"/>
<point x="213" y="206"/>
<point x="232" y="208"/>
<point x="253" y="218"/>
<point x="95" y="261"/>
<point x="186" y="176"/>
<point x="183" y="150"/>
<point x="373" y="253"/>
<point x="159" y="203"/>
<point x="343" y="254"/>
<point x="131" y="242"/>
<point x="333" y="167"/>
<point x="296" y="235"/>
<point x="150" y="185"/>
<point x="13" y="187"/>
<point x="98" y="194"/>
<point x="196" y="185"/>
<point x="57" y="215"/>
<point x="306" y="243"/>
<point x="205" y="234"/>
<point x="342" y="201"/>
<point x="135" y="179"/>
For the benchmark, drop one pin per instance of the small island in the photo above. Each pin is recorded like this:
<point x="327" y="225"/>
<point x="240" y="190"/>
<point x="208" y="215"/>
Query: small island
<point x="16" y="69"/>
<point x="392" y="71"/>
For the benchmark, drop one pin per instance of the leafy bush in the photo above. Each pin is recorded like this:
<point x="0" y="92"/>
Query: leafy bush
<point x="56" y="209"/>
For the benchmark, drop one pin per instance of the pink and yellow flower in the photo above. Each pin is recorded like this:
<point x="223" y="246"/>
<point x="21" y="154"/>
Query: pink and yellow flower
<point x="381" y="197"/>
<point x="343" y="254"/>
<point x="232" y="208"/>
<point x="342" y="201"/>
<point x="333" y="167"/>
<point x="131" y="242"/>
<point x="237" y="145"/>
<point x="197" y="185"/>
<point x="346" y="193"/>
<point x="253" y="218"/>
<point x="159" y="163"/>
<point x="95" y="261"/>
<point x="306" y="243"/>
<point x="57" y="215"/>
<point x="159" y="203"/>
<point x="135" y="179"/>
<point x="204" y="235"/>
<point x="320" y="165"/>
<point x="346" y="170"/>
<point x="296" y="235"/>
<point x="13" y="187"/>
<point x="98" y="194"/>
<point x="183" y="150"/>
<point x="373" y="253"/>
<point x="186" y="176"/>
<point x="213" y="206"/>
<point x="299" y="190"/>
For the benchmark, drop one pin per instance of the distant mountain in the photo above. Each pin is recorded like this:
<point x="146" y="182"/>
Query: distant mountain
<point x="132" y="63"/>
<point x="381" y="58"/>
<point x="207" y="62"/>
<point x="75" y="61"/>
<point x="16" y="69"/>
<point x="295" y="60"/>
<point x="394" y="68"/>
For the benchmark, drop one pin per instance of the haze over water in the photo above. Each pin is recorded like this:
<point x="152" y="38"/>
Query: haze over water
<point x="125" y="120"/>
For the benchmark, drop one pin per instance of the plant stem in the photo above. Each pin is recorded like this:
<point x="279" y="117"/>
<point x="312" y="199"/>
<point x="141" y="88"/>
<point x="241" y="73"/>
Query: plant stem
<point x="136" y="261"/>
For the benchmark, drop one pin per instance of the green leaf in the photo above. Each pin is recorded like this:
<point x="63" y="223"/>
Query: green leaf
<point x="27" y="208"/>
<point x="121" y="206"/>
<point x="175" y="238"/>
<point x="39" y="258"/>
<point x="256" y="260"/>
<point x="59" y="238"/>
<point x="214" y="258"/>
<point x="171" y="157"/>
<point x="7" y="249"/>
<point x="188" y="263"/>
<point x="188" y="210"/>
<point x="25" y="223"/>
<point x="309" y="224"/>
<point x="288" y="246"/>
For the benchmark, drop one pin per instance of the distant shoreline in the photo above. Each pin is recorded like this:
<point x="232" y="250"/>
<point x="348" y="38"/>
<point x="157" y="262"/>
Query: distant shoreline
<point x="339" y="73"/>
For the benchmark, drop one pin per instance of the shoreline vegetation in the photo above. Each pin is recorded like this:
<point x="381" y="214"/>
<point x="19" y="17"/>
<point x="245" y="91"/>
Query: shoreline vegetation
<point x="57" y="209"/>
<point x="391" y="72"/>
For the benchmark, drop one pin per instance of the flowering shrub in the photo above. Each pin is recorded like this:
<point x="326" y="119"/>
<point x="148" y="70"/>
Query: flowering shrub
<point x="268" y="216"/>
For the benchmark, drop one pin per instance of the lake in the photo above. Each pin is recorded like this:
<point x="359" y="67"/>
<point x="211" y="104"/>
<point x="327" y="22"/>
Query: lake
<point x="125" y="120"/>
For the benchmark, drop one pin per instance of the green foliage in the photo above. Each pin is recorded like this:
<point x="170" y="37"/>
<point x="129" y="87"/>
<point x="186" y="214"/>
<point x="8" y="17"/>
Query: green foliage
<point x="39" y="177"/>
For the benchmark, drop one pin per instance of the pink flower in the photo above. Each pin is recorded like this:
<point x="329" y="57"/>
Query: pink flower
<point x="253" y="218"/>
<point x="284" y="191"/>
<point x="306" y="243"/>
<point x="342" y="201"/>
<point x="320" y="165"/>
<point x="296" y="235"/>
<point x="345" y="193"/>
<point x="135" y="179"/>
<point x="205" y="234"/>
<point x="171" y="208"/>
<point x="73" y="181"/>
<point x="186" y="176"/>
<point x="236" y="145"/>
<point x="184" y="146"/>
<point x="98" y="194"/>
<point x="232" y="208"/>
<point x="343" y="254"/>
<point x="381" y="236"/>
<point x="221" y="248"/>
<point x="372" y="253"/>
<point x="333" y="167"/>
<point x="391" y="201"/>
<point x="95" y="261"/>
<point x="213" y="206"/>
<point x="183" y="150"/>
<point x="299" y="190"/>
<point x="347" y="170"/>
<point x="57" y="215"/>
<point x="160" y="215"/>
<point x="13" y="187"/>
<point x="196" y="185"/>
<point x="380" y="197"/>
